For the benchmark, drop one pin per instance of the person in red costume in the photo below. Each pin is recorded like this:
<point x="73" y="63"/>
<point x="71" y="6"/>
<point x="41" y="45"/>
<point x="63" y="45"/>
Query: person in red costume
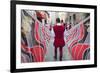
<point x="58" y="39"/>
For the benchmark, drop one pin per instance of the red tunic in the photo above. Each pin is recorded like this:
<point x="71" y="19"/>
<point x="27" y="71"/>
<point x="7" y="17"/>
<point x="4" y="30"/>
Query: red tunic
<point x="59" y="36"/>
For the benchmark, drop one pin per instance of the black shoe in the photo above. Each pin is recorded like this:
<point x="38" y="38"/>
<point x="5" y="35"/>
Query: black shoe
<point x="60" y="58"/>
<point x="55" y="58"/>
